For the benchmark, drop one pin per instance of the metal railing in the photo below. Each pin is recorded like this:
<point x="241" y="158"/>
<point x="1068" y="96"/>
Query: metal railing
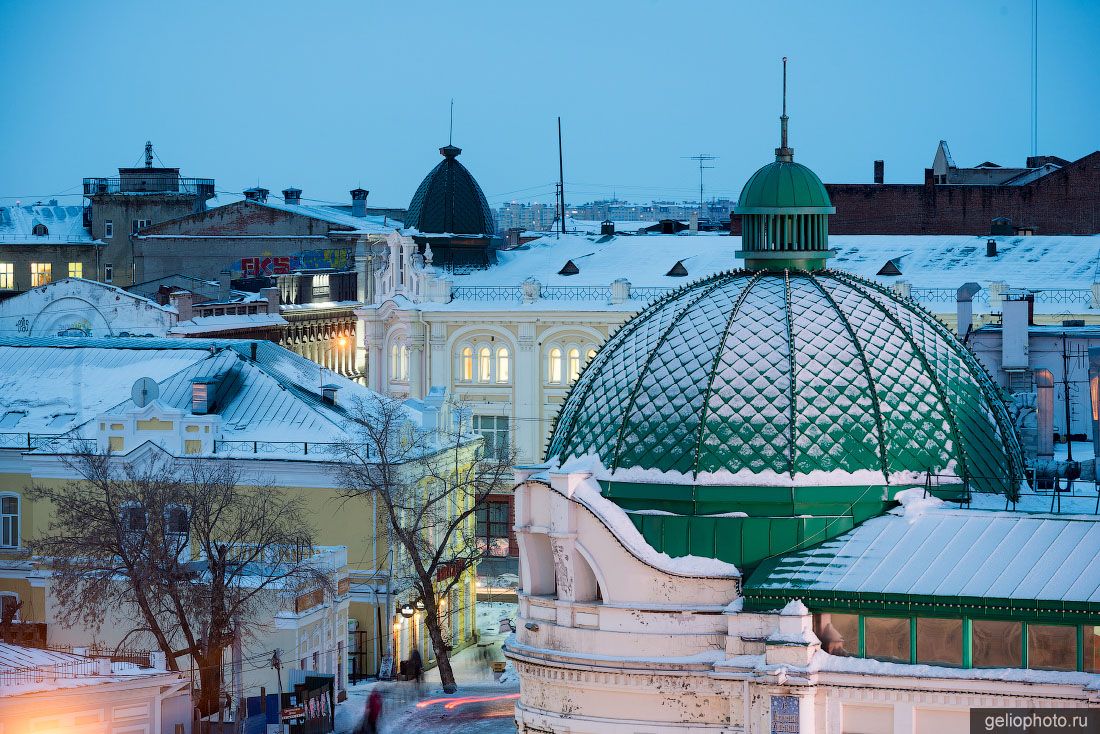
<point x="649" y="293"/>
<point x="151" y="184"/>
<point x="31" y="441"/>
<point x="576" y="293"/>
<point x="282" y="448"/>
<point x="487" y="293"/>
<point x="1046" y="295"/>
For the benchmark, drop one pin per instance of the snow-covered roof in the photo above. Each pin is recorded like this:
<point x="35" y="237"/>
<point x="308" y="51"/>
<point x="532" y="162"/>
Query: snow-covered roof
<point x="926" y="550"/>
<point x="62" y="384"/>
<point x="233" y="322"/>
<point x="31" y="670"/>
<point x="925" y="261"/>
<point x="335" y="214"/>
<point x="65" y="224"/>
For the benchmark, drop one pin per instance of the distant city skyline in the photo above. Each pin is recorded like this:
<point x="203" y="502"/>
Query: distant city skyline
<point x="332" y="96"/>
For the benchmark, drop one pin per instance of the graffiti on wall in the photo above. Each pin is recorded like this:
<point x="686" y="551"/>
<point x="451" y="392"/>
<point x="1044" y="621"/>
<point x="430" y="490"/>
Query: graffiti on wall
<point x="335" y="259"/>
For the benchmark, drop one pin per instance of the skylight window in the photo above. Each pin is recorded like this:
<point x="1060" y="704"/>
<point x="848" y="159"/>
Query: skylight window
<point x="11" y="418"/>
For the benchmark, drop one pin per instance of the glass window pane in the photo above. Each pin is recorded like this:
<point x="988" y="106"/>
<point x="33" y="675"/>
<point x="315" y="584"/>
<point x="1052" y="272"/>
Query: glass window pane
<point x="997" y="644"/>
<point x="886" y="638"/>
<point x="939" y="641"/>
<point x="1092" y="648"/>
<point x="9" y="505"/>
<point x="839" y="633"/>
<point x="1051" y="647"/>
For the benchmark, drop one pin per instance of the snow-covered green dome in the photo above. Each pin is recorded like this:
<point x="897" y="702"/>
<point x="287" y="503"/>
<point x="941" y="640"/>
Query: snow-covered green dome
<point x="773" y="379"/>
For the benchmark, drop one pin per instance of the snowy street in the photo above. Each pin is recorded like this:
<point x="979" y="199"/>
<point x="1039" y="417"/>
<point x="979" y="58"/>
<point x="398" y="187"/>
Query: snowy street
<point x="482" y="705"/>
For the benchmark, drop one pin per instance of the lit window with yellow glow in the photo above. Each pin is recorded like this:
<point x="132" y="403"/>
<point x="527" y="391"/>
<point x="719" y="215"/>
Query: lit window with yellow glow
<point x="7" y="275"/>
<point x="41" y="274"/>
<point x="76" y="270"/>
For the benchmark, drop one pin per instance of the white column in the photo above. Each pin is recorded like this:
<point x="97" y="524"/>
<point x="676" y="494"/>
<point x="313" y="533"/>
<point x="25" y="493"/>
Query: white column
<point x="527" y="392"/>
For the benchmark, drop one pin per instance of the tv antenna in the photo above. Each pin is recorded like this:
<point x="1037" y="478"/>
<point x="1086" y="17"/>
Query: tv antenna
<point x="703" y="159"/>
<point x="1034" y="77"/>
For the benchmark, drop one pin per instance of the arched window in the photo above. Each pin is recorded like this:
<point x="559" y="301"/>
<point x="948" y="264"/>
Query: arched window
<point x="466" y="364"/>
<point x="395" y="360"/>
<point x="589" y="355"/>
<point x="504" y="373"/>
<point x="484" y="364"/>
<point x="554" y="372"/>
<point x="403" y="373"/>
<point x="399" y="360"/>
<point x="9" y="521"/>
<point x="574" y="364"/>
<point x="40" y="230"/>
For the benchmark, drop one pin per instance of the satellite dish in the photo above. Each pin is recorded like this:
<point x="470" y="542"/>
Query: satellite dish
<point x="144" y="391"/>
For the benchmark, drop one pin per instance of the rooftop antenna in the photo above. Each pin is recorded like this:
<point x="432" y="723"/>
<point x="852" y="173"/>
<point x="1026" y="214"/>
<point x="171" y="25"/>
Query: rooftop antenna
<point x="702" y="158"/>
<point x="148" y="154"/>
<point x="1034" y="77"/>
<point x="451" y="131"/>
<point x="784" y="152"/>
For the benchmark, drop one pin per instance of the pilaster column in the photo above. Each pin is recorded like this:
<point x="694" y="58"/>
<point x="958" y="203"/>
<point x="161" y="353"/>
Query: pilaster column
<point x="527" y="379"/>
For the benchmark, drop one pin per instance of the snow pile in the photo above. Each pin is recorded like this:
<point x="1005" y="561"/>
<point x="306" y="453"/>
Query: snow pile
<point x="615" y="518"/>
<point x="509" y="677"/>
<point x="794" y="608"/>
<point x="915" y="502"/>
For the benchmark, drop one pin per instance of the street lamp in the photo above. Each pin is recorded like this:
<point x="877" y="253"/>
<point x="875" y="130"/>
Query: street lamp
<point x="407" y="611"/>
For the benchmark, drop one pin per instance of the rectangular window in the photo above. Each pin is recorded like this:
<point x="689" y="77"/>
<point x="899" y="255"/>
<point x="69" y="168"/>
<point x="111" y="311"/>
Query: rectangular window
<point x="41" y="274"/>
<point x="192" y="446"/>
<point x="7" y="275"/>
<point x="887" y="638"/>
<point x="939" y="641"/>
<point x="996" y="644"/>
<point x="108" y="229"/>
<point x="496" y="431"/>
<point x="1051" y="647"/>
<point x="839" y="633"/>
<point x="108" y="273"/>
<point x="493" y="527"/>
<point x="114" y="443"/>
<point x="9" y="521"/>
<point x="138" y="224"/>
<point x="76" y="270"/>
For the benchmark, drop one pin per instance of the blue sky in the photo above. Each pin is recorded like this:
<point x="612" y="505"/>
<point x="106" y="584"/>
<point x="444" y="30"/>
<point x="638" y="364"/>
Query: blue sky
<point x="327" y="95"/>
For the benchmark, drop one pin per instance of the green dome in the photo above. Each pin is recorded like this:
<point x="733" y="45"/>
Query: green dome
<point x="785" y="185"/>
<point x="786" y="379"/>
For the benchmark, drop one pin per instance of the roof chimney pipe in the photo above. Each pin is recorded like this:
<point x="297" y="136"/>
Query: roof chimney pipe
<point x="256" y="193"/>
<point x="359" y="202"/>
<point x="880" y="170"/>
<point x="292" y="196"/>
<point x="991" y="247"/>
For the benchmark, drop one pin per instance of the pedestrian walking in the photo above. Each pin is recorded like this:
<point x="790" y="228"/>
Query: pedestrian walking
<point x="372" y="716"/>
<point x="416" y="665"/>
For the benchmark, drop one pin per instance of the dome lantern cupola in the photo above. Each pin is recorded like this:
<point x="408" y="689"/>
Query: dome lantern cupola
<point x="784" y="211"/>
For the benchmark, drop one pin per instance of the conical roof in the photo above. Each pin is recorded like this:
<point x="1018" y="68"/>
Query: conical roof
<point x="767" y="379"/>
<point x="450" y="201"/>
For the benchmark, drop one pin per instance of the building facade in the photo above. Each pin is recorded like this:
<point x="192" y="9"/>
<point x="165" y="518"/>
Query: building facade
<point x="41" y="243"/>
<point x="784" y="499"/>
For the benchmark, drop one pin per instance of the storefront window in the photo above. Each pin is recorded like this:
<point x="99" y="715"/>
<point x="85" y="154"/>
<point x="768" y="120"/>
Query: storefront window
<point x="939" y="641"/>
<point x="839" y="633"/>
<point x="997" y="644"/>
<point x="886" y="638"/>
<point x="1051" y="647"/>
<point x="1092" y="648"/>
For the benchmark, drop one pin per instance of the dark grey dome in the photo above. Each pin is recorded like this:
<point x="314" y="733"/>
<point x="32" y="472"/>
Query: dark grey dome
<point x="450" y="201"/>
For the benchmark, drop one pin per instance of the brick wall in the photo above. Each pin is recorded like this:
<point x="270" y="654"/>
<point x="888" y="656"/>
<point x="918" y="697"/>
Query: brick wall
<point x="1064" y="202"/>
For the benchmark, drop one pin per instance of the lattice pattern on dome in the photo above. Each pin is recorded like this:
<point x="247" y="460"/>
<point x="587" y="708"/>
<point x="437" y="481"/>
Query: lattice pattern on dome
<point x="703" y="382"/>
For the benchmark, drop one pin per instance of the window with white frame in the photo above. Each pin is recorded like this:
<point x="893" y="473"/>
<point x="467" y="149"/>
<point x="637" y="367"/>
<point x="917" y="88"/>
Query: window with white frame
<point x="177" y="520"/>
<point x="574" y="356"/>
<point x="133" y="518"/>
<point x="497" y="432"/>
<point x="466" y="364"/>
<point x="399" y="360"/>
<point x="108" y="273"/>
<point x="484" y="364"/>
<point x="108" y="229"/>
<point x="41" y="274"/>
<point x="7" y="275"/>
<point x="9" y="521"/>
<point x="504" y="365"/>
<point x="554" y="366"/>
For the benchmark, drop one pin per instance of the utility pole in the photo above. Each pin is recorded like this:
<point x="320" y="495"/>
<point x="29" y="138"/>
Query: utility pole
<point x="703" y="158"/>
<point x="1034" y="77"/>
<point x="238" y="680"/>
<point x="561" y="179"/>
<point x="277" y="663"/>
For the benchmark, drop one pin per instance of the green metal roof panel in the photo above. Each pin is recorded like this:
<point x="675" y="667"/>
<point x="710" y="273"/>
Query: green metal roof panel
<point x="951" y="556"/>
<point x="783" y="185"/>
<point x="773" y="379"/>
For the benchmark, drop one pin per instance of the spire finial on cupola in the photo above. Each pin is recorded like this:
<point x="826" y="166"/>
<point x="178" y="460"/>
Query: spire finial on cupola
<point x="784" y="152"/>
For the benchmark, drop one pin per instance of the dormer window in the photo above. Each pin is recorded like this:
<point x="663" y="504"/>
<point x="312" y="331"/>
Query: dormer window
<point x="40" y="230"/>
<point x="202" y="395"/>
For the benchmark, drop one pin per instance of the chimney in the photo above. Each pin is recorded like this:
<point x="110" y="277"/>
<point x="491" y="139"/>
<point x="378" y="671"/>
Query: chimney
<point x="359" y="202"/>
<point x="201" y="389"/>
<point x="929" y="177"/>
<point x="224" y="285"/>
<point x="328" y="394"/>
<point x="272" y="296"/>
<point x="292" y="196"/>
<point x="964" y="308"/>
<point x="880" y="171"/>
<point x="607" y="227"/>
<point x="694" y="226"/>
<point x="252" y="350"/>
<point x="182" y="301"/>
<point x="991" y="247"/>
<point x="256" y="193"/>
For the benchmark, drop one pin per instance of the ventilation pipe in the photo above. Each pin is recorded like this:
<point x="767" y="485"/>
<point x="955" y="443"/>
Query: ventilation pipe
<point x="359" y="202"/>
<point x="880" y="171"/>
<point x="292" y="196"/>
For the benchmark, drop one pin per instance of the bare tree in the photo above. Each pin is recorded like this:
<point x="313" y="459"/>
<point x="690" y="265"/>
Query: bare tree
<point x="429" y="483"/>
<point x="200" y="558"/>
